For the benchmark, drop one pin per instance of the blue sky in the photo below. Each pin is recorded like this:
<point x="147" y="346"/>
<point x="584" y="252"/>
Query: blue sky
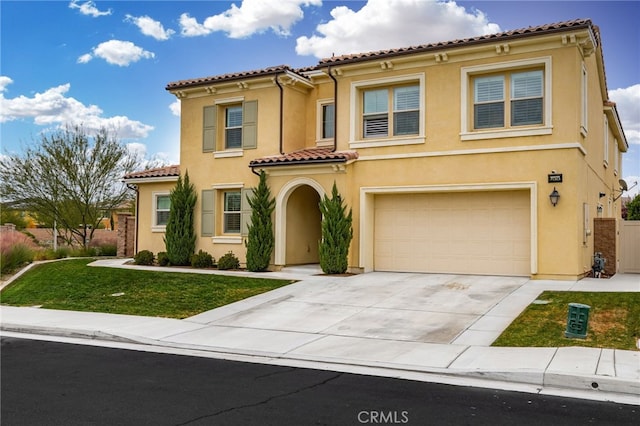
<point x="106" y="63"/>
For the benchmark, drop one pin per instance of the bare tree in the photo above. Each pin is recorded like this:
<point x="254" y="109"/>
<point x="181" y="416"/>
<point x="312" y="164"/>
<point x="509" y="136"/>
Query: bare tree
<point x="69" y="177"/>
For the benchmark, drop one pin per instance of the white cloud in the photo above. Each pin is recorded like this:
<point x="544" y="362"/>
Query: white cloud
<point x="4" y="82"/>
<point x="628" y="105"/>
<point x="89" y="8"/>
<point x="175" y="107"/>
<point x="150" y="27"/>
<point x="253" y="16"/>
<point x="53" y="107"/>
<point x="386" y="24"/>
<point x="117" y="52"/>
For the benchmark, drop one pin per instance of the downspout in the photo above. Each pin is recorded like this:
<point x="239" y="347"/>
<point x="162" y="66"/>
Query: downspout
<point x="281" y="112"/>
<point x="135" y="240"/>
<point x="335" y="111"/>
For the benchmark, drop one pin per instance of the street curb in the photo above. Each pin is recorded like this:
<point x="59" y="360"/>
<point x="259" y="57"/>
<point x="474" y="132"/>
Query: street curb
<point x="599" y="387"/>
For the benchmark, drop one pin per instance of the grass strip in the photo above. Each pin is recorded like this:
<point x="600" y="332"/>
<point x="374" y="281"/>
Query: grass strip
<point x="614" y="321"/>
<point x="72" y="285"/>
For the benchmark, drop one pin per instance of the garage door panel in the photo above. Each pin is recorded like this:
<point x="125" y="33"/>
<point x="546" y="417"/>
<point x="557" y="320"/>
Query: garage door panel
<point x="474" y="233"/>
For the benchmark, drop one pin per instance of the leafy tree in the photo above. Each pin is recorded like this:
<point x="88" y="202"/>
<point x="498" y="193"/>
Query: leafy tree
<point x="180" y="237"/>
<point x="260" y="240"/>
<point x="633" y="208"/>
<point x="9" y="215"/>
<point x="68" y="177"/>
<point x="336" y="234"/>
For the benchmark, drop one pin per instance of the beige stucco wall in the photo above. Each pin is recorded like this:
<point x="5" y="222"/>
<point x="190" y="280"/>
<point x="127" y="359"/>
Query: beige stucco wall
<point x="442" y="159"/>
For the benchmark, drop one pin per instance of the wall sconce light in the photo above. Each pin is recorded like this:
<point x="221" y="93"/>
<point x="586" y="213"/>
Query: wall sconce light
<point x="599" y="209"/>
<point x="554" y="197"/>
<point x="601" y="194"/>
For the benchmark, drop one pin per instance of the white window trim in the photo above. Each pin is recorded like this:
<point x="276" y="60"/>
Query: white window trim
<point x="229" y="153"/>
<point x="616" y="157"/>
<point x="320" y="141"/>
<point x="220" y="189"/>
<point x="356" y="87"/>
<point x="605" y="138"/>
<point x="229" y="101"/>
<point x="467" y="72"/>
<point x="154" y="217"/>
<point x="584" y="118"/>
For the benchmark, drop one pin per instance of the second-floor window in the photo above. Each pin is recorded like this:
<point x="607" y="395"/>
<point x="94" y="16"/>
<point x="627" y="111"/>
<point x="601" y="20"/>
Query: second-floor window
<point x="233" y="127"/>
<point x="524" y="92"/>
<point x="379" y="120"/>
<point x="232" y="212"/>
<point x="328" y="121"/>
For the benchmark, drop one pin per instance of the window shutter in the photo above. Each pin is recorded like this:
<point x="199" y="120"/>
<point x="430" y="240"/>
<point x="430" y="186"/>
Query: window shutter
<point x="209" y="129"/>
<point x="250" y="124"/>
<point x="245" y="219"/>
<point x="207" y="217"/>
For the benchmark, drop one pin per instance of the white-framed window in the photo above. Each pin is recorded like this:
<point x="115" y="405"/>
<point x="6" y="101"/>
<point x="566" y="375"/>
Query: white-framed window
<point x="605" y="139"/>
<point x="506" y="99"/>
<point x="161" y="208"/>
<point x="402" y="119"/>
<point x="584" y="115"/>
<point x="328" y="121"/>
<point x="233" y="127"/>
<point x="388" y="111"/>
<point x="325" y="119"/>
<point x="232" y="212"/>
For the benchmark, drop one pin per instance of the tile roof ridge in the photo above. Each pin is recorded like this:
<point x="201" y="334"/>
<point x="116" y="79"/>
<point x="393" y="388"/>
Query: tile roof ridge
<point x="544" y="28"/>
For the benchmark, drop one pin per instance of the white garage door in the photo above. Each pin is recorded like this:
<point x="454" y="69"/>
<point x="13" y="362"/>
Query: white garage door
<point x="458" y="232"/>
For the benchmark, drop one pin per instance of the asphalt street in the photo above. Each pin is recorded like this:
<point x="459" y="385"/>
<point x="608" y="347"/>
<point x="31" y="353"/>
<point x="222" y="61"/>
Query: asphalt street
<point x="51" y="383"/>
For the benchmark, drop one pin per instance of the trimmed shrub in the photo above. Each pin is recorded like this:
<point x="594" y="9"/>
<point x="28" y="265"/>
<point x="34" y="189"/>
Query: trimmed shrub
<point x="260" y="239"/>
<point x="180" y="237"/>
<point x="202" y="259"/>
<point x="336" y="234"/>
<point x="228" y="261"/>
<point x="163" y="258"/>
<point x="143" y="257"/>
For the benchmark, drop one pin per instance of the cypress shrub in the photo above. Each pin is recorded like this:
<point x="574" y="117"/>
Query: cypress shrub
<point x="336" y="234"/>
<point x="180" y="237"/>
<point x="260" y="239"/>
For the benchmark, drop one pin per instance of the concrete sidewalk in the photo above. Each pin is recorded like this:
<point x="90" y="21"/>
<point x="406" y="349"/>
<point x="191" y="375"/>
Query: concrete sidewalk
<point x="429" y="327"/>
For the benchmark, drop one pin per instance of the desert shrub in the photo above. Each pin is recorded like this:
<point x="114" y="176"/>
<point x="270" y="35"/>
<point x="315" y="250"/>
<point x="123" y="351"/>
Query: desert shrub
<point x="106" y="250"/>
<point x="143" y="257"/>
<point x="228" y="261"/>
<point x="202" y="259"/>
<point x="15" y="257"/>
<point x="16" y="250"/>
<point x="163" y="258"/>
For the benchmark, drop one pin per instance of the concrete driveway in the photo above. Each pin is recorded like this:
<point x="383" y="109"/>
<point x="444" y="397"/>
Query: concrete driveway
<point x="428" y="308"/>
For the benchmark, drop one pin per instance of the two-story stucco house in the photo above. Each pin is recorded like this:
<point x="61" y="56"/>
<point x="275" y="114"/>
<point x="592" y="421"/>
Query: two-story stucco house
<point x="447" y="153"/>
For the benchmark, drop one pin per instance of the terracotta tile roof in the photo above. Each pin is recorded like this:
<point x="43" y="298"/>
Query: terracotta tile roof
<point x="359" y="57"/>
<point x="520" y="33"/>
<point x="228" y="77"/>
<point x="168" y="171"/>
<point x="306" y="156"/>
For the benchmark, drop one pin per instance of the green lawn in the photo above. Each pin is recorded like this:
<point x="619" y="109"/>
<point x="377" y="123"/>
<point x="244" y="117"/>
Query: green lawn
<point x="614" y="321"/>
<point x="71" y="285"/>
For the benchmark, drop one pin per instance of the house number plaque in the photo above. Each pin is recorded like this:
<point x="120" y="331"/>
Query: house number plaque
<point x="555" y="177"/>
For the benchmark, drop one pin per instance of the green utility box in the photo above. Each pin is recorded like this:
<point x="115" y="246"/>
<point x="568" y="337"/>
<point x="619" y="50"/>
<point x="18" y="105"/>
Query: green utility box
<point x="577" y="321"/>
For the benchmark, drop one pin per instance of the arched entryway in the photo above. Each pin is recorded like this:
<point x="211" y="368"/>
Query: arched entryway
<point x="298" y="222"/>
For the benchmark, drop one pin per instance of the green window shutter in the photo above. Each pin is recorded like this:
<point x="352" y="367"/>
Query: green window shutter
<point x="250" y="124"/>
<point x="208" y="218"/>
<point x="246" y="211"/>
<point x="209" y="128"/>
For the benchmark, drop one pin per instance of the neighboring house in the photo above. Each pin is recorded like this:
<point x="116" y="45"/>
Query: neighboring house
<point x="447" y="153"/>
